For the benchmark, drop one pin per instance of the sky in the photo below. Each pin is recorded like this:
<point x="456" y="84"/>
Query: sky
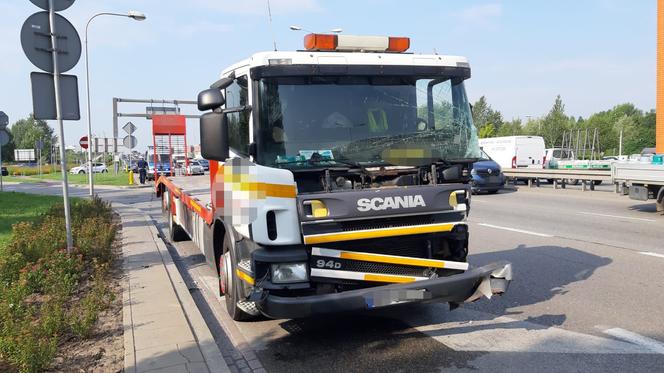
<point x="594" y="53"/>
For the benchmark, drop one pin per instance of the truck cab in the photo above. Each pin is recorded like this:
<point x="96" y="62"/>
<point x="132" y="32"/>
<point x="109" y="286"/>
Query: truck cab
<point x="339" y="180"/>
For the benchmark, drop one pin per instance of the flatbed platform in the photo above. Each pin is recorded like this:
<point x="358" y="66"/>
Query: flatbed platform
<point x="196" y="187"/>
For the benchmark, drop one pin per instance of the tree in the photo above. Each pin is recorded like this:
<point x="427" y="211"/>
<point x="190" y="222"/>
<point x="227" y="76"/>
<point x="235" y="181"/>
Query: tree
<point x="511" y="128"/>
<point x="555" y="123"/>
<point x="487" y="131"/>
<point x="641" y="134"/>
<point x="27" y="131"/>
<point x="483" y="115"/>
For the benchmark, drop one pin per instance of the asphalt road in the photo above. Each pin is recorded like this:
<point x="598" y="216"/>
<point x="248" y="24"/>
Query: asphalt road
<point x="586" y="297"/>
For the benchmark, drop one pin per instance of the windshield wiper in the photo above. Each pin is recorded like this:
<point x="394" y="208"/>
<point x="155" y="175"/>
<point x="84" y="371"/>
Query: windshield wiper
<point x="320" y="161"/>
<point x="456" y="160"/>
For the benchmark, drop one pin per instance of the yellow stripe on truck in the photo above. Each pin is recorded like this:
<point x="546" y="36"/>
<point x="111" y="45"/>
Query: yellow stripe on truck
<point x="245" y="277"/>
<point x="377" y="233"/>
<point x="387" y="278"/>
<point x="278" y="190"/>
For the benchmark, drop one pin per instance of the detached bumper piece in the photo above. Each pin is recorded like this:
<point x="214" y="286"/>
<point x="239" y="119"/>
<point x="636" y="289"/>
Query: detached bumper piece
<point x="464" y="287"/>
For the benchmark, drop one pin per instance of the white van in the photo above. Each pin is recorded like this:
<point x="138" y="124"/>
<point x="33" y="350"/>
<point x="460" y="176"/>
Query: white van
<point x="515" y="151"/>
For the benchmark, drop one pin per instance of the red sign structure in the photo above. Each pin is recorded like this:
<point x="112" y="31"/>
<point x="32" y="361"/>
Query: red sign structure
<point x="169" y="138"/>
<point x="83" y="142"/>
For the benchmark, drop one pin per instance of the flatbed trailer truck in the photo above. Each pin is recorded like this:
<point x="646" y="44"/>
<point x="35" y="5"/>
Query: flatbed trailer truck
<point x="642" y="181"/>
<point x="339" y="181"/>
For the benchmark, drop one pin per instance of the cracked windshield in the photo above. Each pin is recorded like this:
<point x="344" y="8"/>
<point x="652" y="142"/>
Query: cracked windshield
<point x="401" y="121"/>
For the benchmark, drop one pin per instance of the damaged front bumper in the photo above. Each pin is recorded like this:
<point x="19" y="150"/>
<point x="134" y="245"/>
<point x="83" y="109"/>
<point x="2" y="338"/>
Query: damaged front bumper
<point x="469" y="286"/>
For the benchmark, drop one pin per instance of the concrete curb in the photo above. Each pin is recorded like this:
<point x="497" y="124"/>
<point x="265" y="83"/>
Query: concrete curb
<point x="193" y="323"/>
<point x="206" y="342"/>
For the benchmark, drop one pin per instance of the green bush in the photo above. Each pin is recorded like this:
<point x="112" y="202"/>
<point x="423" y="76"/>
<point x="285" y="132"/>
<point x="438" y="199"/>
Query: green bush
<point x="29" y="171"/>
<point x="95" y="238"/>
<point x="11" y="265"/>
<point x="84" y="314"/>
<point x="38" y="239"/>
<point x="45" y="292"/>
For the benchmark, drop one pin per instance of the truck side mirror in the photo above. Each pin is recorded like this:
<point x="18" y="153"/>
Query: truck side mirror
<point x="214" y="136"/>
<point x="210" y="99"/>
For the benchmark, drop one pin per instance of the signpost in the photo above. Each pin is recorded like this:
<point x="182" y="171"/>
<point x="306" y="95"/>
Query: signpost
<point x="52" y="44"/>
<point x="104" y="145"/>
<point x="4" y="140"/>
<point x="39" y="145"/>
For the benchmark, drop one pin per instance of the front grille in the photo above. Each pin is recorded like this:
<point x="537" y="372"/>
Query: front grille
<point x="384" y="268"/>
<point x="419" y="251"/>
<point x="358" y="225"/>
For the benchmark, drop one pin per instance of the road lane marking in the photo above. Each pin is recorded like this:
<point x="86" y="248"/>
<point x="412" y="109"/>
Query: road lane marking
<point x="515" y="230"/>
<point x="637" y="339"/>
<point x="470" y="330"/>
<point x="615" y="216"/>
<point x="651" y="254"/>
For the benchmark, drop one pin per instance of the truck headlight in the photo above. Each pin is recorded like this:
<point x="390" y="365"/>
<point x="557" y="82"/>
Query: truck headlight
<point x="284" y="273"/>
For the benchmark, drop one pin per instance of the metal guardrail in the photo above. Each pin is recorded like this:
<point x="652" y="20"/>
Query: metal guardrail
<point x="561" y="177"/>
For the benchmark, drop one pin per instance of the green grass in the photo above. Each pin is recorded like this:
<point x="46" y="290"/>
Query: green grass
<point x="15" y="207"/>
<point x="20" y="179"/>
<point x="108" y="178"/>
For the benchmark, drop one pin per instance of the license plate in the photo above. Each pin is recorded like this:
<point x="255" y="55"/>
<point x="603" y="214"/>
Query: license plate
<point x="392" y="297"/>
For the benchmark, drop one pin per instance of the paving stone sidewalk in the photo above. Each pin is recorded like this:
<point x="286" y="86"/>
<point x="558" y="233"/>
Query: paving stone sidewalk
<point x="163" y="329"/>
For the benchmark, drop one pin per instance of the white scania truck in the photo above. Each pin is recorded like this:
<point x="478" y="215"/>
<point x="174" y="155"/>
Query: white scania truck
<point x="339" y="181"/>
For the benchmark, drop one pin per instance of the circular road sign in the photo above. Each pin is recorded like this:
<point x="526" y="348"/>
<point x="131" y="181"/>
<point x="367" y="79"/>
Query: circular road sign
<point x="36" y="42"/>
<point x="129" y="142"/>
<point x="83" y="142"/>
<point x="4" y="120"/>
<point x="4" y="137"/>
<point x="58" y="5"/>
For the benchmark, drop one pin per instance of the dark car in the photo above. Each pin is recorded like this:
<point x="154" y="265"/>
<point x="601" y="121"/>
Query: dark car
<point x="4" y="171"/>
<point x="487" y="175"/>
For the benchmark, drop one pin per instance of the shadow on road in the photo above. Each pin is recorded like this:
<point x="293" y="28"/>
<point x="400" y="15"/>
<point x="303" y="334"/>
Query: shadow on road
<point x="540" y="273"/>
<point x="644" y="207"/>
<point x="383" y="341"/>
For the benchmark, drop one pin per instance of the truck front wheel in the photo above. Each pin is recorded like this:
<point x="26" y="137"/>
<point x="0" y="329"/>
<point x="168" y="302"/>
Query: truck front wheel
<point x="229" y="283"/>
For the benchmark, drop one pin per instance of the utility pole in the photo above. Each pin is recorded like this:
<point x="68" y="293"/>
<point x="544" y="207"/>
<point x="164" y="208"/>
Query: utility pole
<point x="620" y="143"/>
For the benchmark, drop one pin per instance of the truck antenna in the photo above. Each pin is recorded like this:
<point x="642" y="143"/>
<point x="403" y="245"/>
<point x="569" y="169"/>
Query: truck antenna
<point x="269" y="17"/>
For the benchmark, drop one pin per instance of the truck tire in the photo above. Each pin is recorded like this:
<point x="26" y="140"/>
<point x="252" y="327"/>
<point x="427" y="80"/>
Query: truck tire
<point x="229" y="283"/>
<point x="572" y="181"/>
<point x="659" y="202"/>
<point x="597" y="182"/>
<point x="175" y="231"/>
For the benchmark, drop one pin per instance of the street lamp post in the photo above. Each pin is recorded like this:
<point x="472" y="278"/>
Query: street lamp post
<point x="137" y="16"/>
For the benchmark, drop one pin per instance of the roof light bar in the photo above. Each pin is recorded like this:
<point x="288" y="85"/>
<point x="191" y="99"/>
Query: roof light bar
<point x="352" y="43"/>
